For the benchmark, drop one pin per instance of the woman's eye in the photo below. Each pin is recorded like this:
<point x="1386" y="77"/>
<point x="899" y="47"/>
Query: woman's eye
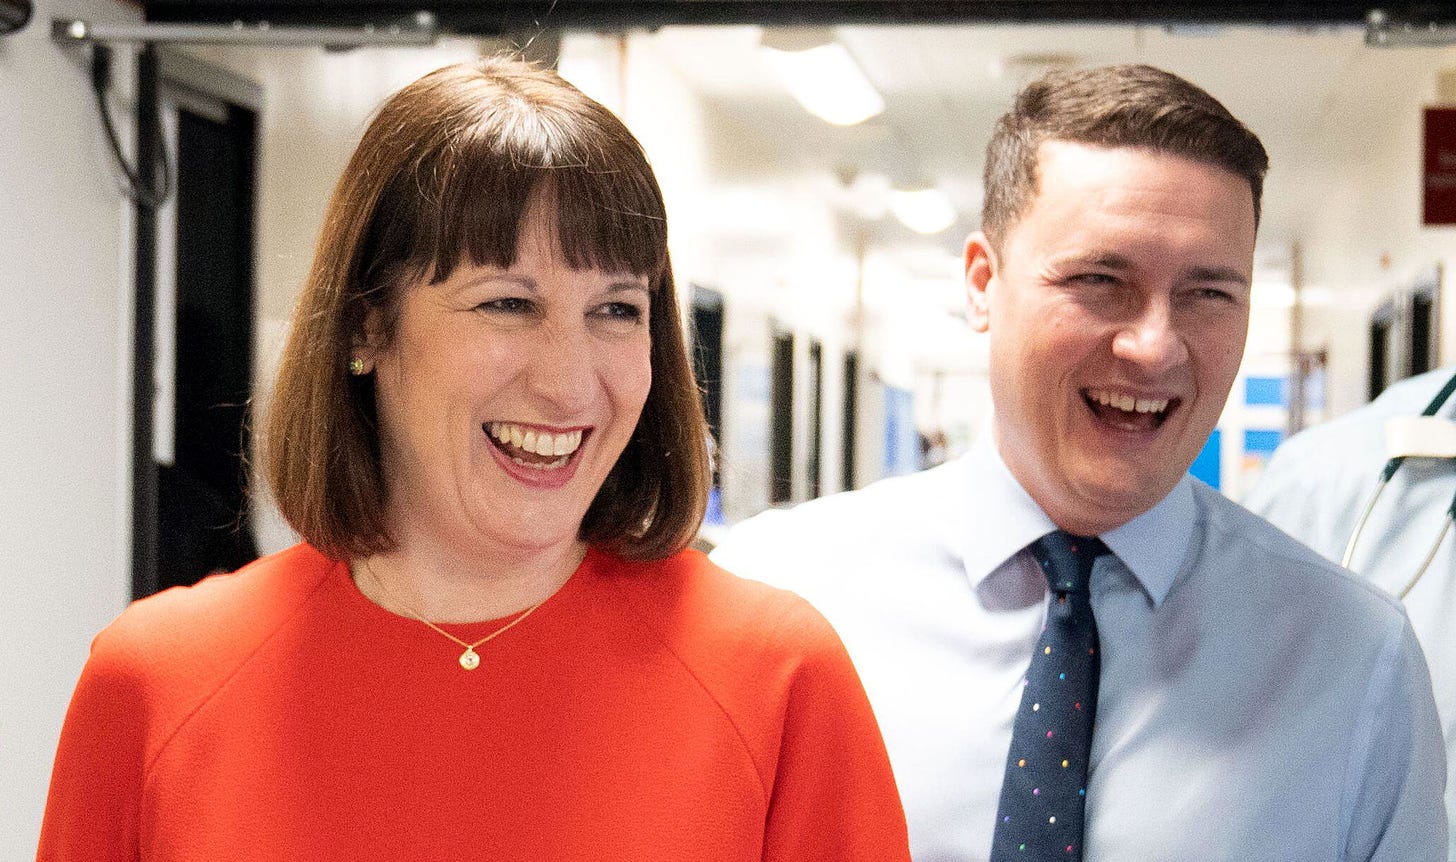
<point x="507" y="304"/>
<point x="626" y="311"/>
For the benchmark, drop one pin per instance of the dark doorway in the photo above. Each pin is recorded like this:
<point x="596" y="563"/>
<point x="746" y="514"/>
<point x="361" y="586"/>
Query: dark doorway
<point x="203" y="525"/>
<point x="781" y="440"/>
<point x="816" y="416"/>
<point x="1422" y="328"/>
<point x="707" y="325"/>
<point x="1382" y="322"/>
<point x="851" y="404"/>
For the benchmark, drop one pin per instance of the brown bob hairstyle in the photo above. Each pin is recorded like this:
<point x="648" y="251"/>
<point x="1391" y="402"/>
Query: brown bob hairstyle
<point x="1129" y="105"/>
<point x="444" y="174"/>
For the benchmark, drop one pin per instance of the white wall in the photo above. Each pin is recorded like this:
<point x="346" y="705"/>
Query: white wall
<point x="1363" y="236"/>
<point x="65" y="282"/>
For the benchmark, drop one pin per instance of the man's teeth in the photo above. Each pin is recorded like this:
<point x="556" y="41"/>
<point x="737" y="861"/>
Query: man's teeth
<point x="534" y="441"/>
<point x="1128" y="403"/>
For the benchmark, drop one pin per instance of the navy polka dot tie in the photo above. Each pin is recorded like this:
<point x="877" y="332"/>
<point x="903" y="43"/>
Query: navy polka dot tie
<point x="1044" y="794"/>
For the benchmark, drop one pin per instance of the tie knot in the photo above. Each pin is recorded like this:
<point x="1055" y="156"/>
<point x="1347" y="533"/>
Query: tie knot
<point x="1066" y="560"/>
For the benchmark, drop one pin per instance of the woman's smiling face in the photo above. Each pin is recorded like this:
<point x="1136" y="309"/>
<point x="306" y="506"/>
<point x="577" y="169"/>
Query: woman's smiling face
<point x="506" y="396"/>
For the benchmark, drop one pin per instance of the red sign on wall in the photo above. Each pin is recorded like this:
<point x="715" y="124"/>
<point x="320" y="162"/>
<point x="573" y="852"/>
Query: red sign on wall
<point x="1440" y="168"/>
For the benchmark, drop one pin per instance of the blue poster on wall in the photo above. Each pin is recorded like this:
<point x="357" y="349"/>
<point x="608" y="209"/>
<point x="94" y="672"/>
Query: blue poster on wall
<point x="1266" y="391"/>
<point x="1208" y="465"/>
<point x="1261" y="442"/>
<point x="902" y="440"/>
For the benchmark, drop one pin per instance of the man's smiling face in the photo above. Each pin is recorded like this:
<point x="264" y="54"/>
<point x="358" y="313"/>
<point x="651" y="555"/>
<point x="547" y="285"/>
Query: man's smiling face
<point x="1117" y="309"/>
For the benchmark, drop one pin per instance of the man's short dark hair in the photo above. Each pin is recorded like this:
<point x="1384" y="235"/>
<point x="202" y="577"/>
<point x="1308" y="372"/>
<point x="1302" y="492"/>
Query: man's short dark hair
<point x="1113" y="106"/>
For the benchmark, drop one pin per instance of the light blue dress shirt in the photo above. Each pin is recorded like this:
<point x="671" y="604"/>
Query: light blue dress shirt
<point x="1319" y="481"/>
<point x="1257" y="703"/>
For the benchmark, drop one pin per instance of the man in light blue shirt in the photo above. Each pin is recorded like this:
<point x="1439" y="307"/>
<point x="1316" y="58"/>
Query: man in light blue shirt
<point x="1318" y="483"/>
<point x="1255" y="702"/>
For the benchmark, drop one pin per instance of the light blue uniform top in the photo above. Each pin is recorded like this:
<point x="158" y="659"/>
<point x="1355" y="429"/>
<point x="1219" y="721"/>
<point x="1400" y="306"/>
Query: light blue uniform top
<point x="1256" y="703"/>
<point x="1315" y="488"/>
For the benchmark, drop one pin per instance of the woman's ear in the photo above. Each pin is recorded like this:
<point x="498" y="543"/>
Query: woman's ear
<point x="981" y="268"/>
<point x="364" y="351"/>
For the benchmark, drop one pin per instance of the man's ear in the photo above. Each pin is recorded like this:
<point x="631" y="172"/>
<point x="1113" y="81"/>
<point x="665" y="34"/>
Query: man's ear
<point x="981" y="269"/>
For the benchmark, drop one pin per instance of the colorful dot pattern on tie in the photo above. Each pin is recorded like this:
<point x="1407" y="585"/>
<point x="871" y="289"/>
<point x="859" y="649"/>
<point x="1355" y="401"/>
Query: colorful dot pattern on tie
<point x="1043" y="795"/>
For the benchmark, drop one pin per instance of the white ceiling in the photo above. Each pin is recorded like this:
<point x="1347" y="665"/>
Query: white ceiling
<point x="945" y="85"/>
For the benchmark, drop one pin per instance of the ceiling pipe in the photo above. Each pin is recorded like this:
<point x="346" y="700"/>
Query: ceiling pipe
<point x="1381" y="32"/>
<point x="421" y="30"/>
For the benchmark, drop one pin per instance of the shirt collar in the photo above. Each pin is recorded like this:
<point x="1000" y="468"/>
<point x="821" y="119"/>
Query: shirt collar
<point x="1003" y="519"/>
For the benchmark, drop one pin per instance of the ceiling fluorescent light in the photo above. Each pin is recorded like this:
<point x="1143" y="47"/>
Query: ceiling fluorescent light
<point x="926" y="211"/>
<point x="828" y="83"/>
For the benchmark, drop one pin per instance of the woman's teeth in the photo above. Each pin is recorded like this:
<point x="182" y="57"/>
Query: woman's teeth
<point x="520" y="441"/>
<point x="1127" y="403"/>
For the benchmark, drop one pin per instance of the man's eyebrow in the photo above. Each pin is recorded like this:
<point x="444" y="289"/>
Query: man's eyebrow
<point x="1104" y="259"/>
<point x="1217" y="273"/>
<point x="1119" y="262"/>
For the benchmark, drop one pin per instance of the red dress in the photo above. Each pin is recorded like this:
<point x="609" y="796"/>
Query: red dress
<point x="648" y="711"/>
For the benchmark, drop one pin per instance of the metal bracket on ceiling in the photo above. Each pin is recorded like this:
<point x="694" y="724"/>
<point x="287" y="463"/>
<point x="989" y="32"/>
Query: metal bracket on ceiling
<point x="13" y="15"/>
<point x="421" y="29"/>
<point x="1381" y="32"/>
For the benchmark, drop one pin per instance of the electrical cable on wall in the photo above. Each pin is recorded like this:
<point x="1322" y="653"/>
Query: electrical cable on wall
<point x="153" y="196"/>
<point x="420" y="29"/>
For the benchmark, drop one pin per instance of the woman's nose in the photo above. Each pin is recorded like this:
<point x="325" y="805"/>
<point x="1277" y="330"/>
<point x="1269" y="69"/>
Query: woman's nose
<point x="561" y="370"/>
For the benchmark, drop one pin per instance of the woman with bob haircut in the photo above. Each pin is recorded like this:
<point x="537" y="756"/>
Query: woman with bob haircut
<point x="491" y="643"/>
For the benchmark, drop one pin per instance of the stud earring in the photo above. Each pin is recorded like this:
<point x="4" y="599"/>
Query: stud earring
<point x="356" y="367"/>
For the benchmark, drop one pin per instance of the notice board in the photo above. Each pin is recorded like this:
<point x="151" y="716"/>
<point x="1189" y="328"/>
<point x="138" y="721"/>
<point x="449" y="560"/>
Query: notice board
<point x="1439" y="174"/>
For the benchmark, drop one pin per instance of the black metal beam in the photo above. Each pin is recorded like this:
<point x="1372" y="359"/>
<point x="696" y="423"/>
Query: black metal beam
<point x="494" y="18"/>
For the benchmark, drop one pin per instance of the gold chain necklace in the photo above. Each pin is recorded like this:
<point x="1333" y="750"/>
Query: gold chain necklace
<point x="470" y="659"/>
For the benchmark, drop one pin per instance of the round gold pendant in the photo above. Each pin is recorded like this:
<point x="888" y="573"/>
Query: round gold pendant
<point x="469" y="660"/>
